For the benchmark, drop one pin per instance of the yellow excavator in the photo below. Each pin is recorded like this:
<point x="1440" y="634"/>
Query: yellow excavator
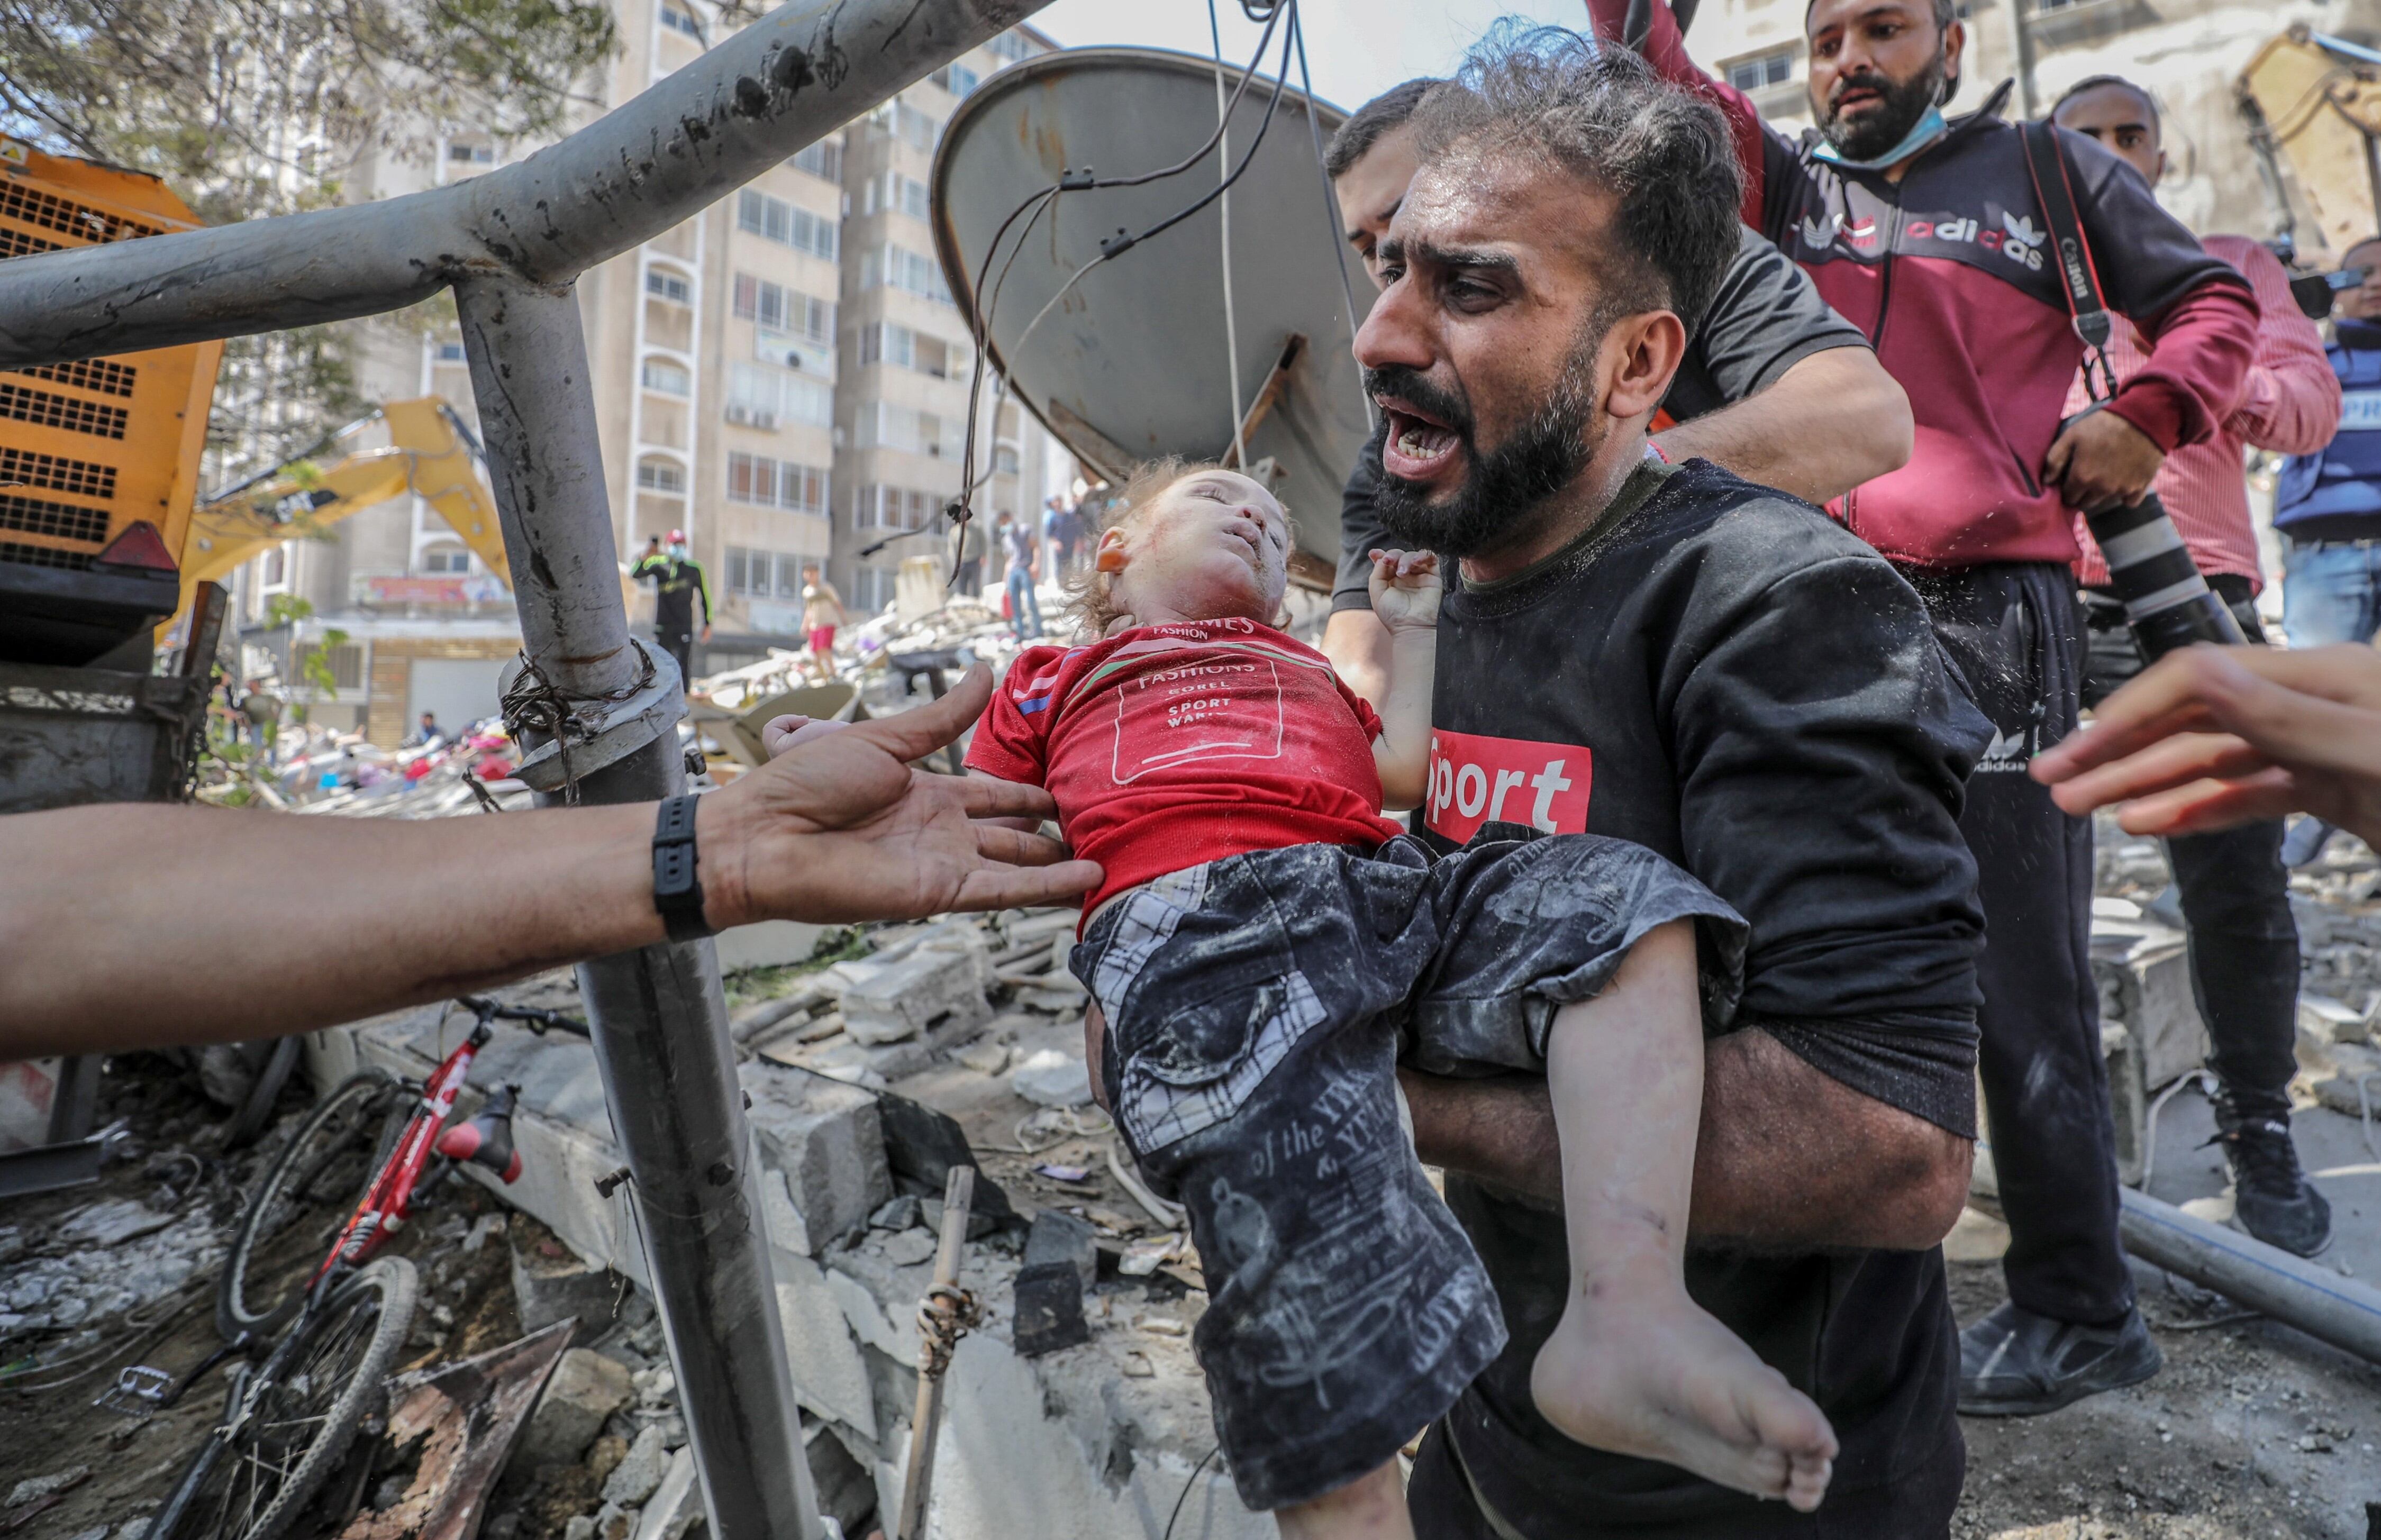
<point x="430" y="453"/>
<point x="2314" y="102"/>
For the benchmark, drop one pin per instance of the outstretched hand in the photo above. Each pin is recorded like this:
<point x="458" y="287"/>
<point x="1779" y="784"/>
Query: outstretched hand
<point x="837" y="827"/>
<point x="2211" y="737"/>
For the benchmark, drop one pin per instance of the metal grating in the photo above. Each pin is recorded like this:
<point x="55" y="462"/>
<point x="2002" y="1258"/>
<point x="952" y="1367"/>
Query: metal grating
<point x="84" y="478"/>
<point x="41" y="556"/>
<point x="68" y="217"/>
<point x="35" y="515"/>
<point x="43" y="410"/>
<point x="21" y="243"/>
<point x="108" y="379"/>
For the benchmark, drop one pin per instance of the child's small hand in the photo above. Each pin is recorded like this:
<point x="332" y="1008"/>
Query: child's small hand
<point x="1405" y="589"/>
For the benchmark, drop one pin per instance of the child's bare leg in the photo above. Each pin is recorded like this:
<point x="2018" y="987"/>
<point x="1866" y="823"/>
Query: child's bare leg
<point x="1369" y="1507"/>
<point x="1635" y="1366"/>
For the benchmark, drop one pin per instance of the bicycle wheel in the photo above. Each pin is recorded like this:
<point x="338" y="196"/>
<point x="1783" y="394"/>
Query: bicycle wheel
<point x="314" y="1181"/>
<point x="297" y="1417"/>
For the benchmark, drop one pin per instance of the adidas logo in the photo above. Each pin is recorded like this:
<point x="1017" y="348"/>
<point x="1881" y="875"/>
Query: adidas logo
<point x="2007" y="752"/>
<point x="1820" y="233"/>
<point x="2021" y="229"/>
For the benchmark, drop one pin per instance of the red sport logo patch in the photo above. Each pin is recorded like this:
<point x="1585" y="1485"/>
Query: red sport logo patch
<point x="1475" y="780"/>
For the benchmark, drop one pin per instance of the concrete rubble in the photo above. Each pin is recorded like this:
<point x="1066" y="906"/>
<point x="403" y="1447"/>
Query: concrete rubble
<point x="1075" y="1410"/>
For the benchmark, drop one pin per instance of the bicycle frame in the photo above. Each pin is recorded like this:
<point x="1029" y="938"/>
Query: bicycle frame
<point x="386" y="1203"/>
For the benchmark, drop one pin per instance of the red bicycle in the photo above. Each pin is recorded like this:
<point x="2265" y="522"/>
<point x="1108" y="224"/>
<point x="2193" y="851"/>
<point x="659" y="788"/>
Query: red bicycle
<point x="298" y="1397"/>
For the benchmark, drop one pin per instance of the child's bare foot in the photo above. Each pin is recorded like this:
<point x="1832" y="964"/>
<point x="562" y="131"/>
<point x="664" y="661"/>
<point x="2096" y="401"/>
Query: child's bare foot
<point x="1643" y="1370"/>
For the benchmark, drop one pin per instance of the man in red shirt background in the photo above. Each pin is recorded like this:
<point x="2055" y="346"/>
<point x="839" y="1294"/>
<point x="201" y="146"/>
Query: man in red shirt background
<point x="2235" y="894"/>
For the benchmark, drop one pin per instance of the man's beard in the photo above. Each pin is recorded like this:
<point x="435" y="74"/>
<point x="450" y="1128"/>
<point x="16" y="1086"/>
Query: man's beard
<point x="1905" y="102"/>
<point x="1506" y="491"/>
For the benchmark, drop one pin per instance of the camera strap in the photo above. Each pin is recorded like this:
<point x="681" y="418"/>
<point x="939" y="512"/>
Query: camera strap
<point x="2054" y="191"/>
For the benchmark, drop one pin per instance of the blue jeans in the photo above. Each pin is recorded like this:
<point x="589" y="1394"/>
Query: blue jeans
<point x="2331" y="593"/>
<point x="1022" y="603"/>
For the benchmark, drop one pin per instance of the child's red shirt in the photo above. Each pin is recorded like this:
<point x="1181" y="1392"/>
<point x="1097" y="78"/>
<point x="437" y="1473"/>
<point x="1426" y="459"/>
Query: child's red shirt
<point x="1167" y="746"/>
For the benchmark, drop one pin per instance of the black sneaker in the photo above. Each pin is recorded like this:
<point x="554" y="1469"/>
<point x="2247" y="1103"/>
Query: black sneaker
<point x="2272" y="1198"/>
<point x="2015" y="1364"/>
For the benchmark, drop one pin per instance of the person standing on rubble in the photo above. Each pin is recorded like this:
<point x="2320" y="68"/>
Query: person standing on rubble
<point x="973" y="542"/>
<point x="1668" y="654"/>
<point x="679" y="583"/>
<point x="1014" y="538"/>
<point x="822" y="616"/>
<point x="1926" y="233"/>
<point x="1776" y="386"/>
<point x="2327" y="505"/>
<point x="2235" y="894"/>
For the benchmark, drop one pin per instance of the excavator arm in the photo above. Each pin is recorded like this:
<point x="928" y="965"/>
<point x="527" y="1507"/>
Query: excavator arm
<point x="2315" y="101"/>
<point x="430" y="453"/>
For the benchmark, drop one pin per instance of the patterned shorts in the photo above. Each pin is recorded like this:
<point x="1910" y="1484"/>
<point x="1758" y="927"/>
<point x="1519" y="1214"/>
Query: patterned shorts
<point x="1257" y="1007"/>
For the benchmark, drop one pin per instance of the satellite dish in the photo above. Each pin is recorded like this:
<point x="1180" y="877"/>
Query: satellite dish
<point x="1132" y="363"/>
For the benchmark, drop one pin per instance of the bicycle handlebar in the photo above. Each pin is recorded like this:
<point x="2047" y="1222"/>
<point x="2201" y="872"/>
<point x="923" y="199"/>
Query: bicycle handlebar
<point x="537" y="1021"/>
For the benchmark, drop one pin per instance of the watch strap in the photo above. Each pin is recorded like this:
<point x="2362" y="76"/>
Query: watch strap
<point x="678" y="887"/>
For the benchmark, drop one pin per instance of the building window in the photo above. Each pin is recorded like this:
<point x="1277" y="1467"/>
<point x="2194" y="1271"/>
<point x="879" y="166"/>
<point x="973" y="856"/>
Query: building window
<point x="470" y="154"/>
<point x="899" y="195"/>
<point x="956" y="78"/>
<point x="1762" y="72"/>
<point x="872" y="589"/>
<point x="777" y="309"/>
<point x="883" y="425"/>
<point x="670" y="285"/>
<point x="823" y="159"/>
<point x="906" y="123"/>
<point x="766" y="574"/>
<point x="893" y="507"/>
<point x="668" y="378"/>
<point x="275" y="570"/>
<point x="1010" y="46"/>
<point x="684" y="23"/>
<point x="450" y="352"/>
<point x="660" y="475"/>
<point x="760" y="396"/>
<point x="884" y="342"/>
<point x="1004" y="460"/>
<point x="774" y="219"/>
<point x="772" y="483"/>
<point x="441" y="560"/>
<point x="345" y="661"/>
<point x="898" y="267"/>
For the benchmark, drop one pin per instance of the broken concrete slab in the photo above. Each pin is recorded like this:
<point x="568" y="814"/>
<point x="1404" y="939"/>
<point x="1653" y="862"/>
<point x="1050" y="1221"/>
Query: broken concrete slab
<point x="827" y="1139"/>
<point x="1058" y="1236"/>
<point x="677" y="1504"/>
<point x="904" y="998"/>
<point x="551" y="1283"/>
<point x="1049" y="1309"/>
<point x="640" y="1472"/>
<point x="830" y="1378"/>
<point x="585" y="1390"/>
<point x="1050" y="1078"/>
<point x="2144" y="971"/>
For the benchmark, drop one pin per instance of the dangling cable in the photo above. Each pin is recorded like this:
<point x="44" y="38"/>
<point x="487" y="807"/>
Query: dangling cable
<point x="1331" y="210"/>
<point x="1231" y="321"/>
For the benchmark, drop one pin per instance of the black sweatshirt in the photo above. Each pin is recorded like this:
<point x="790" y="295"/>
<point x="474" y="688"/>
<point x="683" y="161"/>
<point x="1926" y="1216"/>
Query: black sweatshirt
<point x="1723" y="674"/>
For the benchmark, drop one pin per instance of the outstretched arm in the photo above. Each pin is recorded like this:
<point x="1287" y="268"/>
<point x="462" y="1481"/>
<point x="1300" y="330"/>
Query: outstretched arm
<point x="1405" y="599"/>
<point x="1786" y="1158"/>
<point x="151" y="924"/>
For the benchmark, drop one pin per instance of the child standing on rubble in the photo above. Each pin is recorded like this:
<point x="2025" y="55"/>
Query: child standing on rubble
<point x="1266" y="946"/>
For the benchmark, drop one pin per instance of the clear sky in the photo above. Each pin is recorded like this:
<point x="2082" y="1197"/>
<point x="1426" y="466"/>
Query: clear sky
<point x="1357" y="48"/>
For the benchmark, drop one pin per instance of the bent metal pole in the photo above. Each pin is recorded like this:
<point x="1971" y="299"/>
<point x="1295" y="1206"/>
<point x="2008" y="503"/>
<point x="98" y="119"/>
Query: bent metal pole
<point x="511" y="243"/>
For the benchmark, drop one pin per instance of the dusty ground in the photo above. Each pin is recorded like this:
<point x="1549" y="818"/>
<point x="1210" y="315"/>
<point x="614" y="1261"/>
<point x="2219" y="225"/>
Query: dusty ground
<point x="49" y="1381"/>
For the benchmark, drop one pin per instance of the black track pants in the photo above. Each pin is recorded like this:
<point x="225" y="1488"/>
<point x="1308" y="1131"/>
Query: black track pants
<point x="2015" y="631"/>
<point x="2236" y="902"/>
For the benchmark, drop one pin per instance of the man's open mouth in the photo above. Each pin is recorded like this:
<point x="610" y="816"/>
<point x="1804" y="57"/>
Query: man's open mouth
<point x="1419" y="446"/>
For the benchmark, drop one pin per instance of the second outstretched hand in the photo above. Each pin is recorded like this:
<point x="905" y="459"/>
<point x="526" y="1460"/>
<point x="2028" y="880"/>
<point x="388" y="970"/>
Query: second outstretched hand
<point x="844" y="829"/>
<point x="2212" y="737"/>
<point x="1406" y="588"/>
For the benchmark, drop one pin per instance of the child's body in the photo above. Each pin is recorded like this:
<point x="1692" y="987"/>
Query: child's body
<point x="1263" y="946"/>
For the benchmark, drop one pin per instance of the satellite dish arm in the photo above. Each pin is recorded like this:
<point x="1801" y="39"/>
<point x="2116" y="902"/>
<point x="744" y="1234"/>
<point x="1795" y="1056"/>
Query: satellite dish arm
<point x="1638" y="25"/>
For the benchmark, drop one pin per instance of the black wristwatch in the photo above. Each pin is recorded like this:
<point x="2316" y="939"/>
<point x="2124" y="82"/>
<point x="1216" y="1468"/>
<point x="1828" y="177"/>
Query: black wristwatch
<point x="678" y="889"/>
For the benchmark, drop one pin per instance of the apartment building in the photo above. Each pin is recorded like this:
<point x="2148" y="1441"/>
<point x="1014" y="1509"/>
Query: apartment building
<point x="783" y="377"/>
<point x="2187" y="52"/>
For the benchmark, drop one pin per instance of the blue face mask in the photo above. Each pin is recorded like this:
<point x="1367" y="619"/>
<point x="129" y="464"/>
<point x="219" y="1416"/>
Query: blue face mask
<point x="1928" y="128"/>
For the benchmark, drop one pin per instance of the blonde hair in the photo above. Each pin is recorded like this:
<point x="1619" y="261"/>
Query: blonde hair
<point x="1094" y="607"/>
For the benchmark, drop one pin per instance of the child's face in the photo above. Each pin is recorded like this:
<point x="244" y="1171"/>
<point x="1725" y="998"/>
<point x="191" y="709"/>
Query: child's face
<point x="1213" y="545"/>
